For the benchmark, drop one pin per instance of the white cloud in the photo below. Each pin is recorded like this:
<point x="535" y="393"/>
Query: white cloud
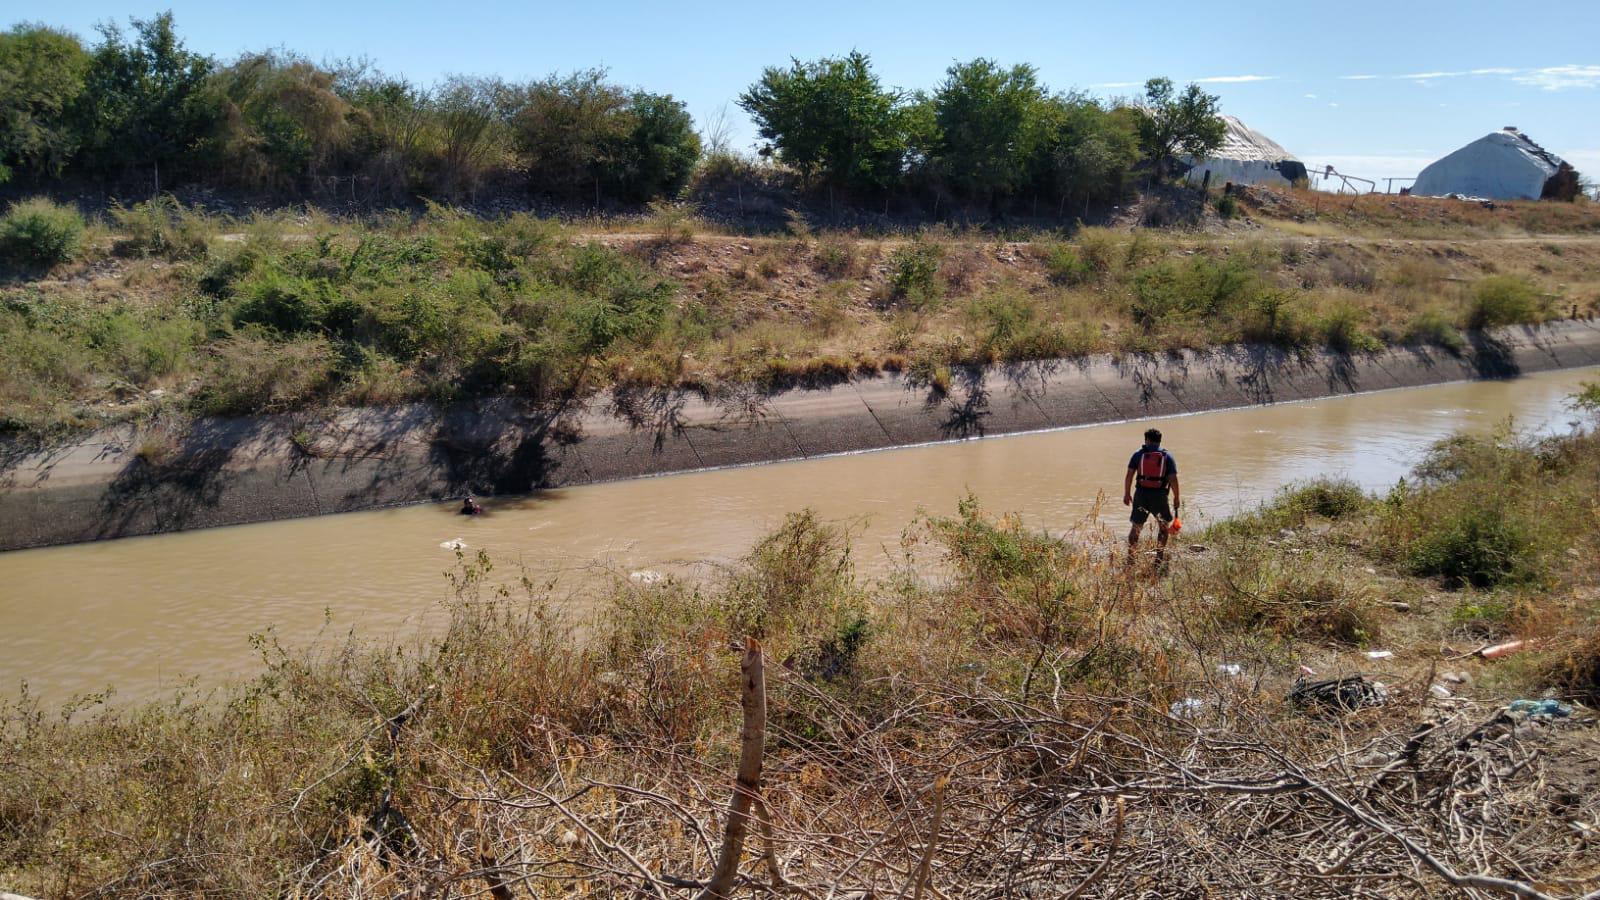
<point x="1550" y="78"/>
<point x="1234" y="79"/>
<point x="1311" y="96"/>
<point x="1556" y="78"/>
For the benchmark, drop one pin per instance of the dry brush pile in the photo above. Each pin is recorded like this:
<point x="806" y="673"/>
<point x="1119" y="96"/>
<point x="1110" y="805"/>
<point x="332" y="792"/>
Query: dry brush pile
<point x="1011" y="713"/>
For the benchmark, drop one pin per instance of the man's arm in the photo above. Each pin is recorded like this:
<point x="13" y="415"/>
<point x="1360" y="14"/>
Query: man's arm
<point x="1127" y="488"/>
<point x="1176" y="493"/>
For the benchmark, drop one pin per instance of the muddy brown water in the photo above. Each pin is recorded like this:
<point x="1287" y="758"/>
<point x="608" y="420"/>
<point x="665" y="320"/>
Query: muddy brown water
<point x="145" y="615"/>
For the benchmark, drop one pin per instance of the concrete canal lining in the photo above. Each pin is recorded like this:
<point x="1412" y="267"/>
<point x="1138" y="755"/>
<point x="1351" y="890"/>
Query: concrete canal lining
<point x="234" y="471"/>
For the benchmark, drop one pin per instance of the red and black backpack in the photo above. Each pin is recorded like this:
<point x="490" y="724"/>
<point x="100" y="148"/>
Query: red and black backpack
<point x="1153" y="470"/>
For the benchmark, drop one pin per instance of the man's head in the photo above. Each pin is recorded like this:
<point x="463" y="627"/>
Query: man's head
<point x="1152" y="436"/>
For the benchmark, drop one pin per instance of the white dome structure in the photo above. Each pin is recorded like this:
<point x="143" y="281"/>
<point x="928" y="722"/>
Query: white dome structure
<point x="1505" y="165"/>
<point x="1246" y="157"/>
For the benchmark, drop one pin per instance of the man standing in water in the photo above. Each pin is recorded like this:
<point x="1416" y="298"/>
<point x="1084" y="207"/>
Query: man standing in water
<point x="1152" y="472"/>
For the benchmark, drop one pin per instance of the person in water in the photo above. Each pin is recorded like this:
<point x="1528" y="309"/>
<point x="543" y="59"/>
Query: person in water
<point x="470" y="507"/>
<point x="1152" y="476"/>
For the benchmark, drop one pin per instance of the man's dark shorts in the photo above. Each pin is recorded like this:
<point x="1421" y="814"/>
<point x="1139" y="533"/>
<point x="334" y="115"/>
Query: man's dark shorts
<point x="1147" y="501"/>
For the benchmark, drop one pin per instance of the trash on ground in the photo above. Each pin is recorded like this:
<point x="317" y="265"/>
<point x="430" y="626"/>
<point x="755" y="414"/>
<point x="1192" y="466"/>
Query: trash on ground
<point x="1554" y="708"/>
<point x="1231" y="669"/>
<point x="1345" y="694"/>
<point x="1457" y="677"/>
<point x="1400" y="606"/>
<point x="645" y="576"/>
<point x="1379" y="654"/>
<point x="1187" y="708"/>
<point x="1308" y="671"/>
<point x="454" y="544"/>
<point x="1440" y="691"/>
<point x="1499" y="650"/>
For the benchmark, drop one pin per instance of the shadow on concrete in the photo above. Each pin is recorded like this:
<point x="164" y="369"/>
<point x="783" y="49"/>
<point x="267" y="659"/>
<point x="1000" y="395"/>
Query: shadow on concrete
<point x="1344" y="375"/>
<point x="166" y="491"/>
<point x="1491" y="357"/>
<point x="1259" y="365"/>
<point x="511" y="456"/>
<point x="964" y="418"/>
<point x="659" y="412"/>
<point x="1157" y="378"/>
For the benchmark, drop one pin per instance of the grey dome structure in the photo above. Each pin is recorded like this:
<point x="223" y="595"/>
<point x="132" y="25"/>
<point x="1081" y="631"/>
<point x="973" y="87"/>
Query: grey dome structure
<point x="1504" y="165"/>
<point x="1246" y="157"/>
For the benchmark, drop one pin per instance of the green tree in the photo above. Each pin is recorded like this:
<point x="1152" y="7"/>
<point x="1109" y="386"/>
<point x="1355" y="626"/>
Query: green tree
<point x="146" y="102"/>
<point x="41" y="76"/>
<point x="284" y="119"/>
<point x="1086" y="152"/>
<point x="568" y="129"/>
<point x="1174" y="124"/>
<point x="988" y="120"/>
<point x="831" y="120"/>
<point x="390" y="123"/>
<point x="473" y="136"/>
<point x="658" y="153"/>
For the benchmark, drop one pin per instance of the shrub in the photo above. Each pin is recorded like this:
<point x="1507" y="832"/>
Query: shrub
<point x="1483" y="616"/>
<point x="1260" y="589"/>
<point x="250" y="374"/>
<point x="1201" y="289"/>
<point x="1344" y="330"/>
<point x="162" y="227"/>
<point x="1331" y="498"/>
<point x="1272" y="318"/>
<point x="1503" y="300"/>
<point x="1479" y="544"/>
<point x="1065" y="266"/>
<point x="286" y="303"/>
<point x="1432" y="327"/>
<point x="913" y="273"/>
<point x="39" y="234"/>
<point x="1587" y="399"/>
<point x="140" y="347"/>
<point x="930" y="369"/>
<point x="1020" y="583"/>
<point x="674" y="222"/>
<point x="1098" y="247"/>
<point x="835" y="256"/>
<point x="1227" y="207"/>
<point x="799" y="578"/>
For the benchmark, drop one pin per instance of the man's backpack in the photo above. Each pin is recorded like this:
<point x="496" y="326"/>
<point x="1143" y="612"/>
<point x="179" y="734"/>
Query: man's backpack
<point x="1153" y="470"/>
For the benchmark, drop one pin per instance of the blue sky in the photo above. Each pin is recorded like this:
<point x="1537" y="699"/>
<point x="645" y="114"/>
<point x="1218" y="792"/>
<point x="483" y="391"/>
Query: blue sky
<point x="1377" y="89"/>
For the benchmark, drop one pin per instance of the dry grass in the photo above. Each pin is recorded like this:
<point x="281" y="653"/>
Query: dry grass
<point x="1314" y="213"/>
<point x="997" y="717"/>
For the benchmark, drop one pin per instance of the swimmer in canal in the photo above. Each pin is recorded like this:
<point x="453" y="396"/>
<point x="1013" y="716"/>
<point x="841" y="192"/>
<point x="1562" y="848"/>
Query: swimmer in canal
<point x="471" y="507"/>
<point x="1152" y="474"/>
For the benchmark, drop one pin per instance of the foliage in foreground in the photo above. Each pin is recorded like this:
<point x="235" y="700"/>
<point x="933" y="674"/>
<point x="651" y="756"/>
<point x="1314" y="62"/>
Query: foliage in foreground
<point x="1030" y="679"/>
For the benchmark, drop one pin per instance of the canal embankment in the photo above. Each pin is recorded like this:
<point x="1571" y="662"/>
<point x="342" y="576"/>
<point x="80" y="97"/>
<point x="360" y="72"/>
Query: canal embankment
<point x="136" y="480"/>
